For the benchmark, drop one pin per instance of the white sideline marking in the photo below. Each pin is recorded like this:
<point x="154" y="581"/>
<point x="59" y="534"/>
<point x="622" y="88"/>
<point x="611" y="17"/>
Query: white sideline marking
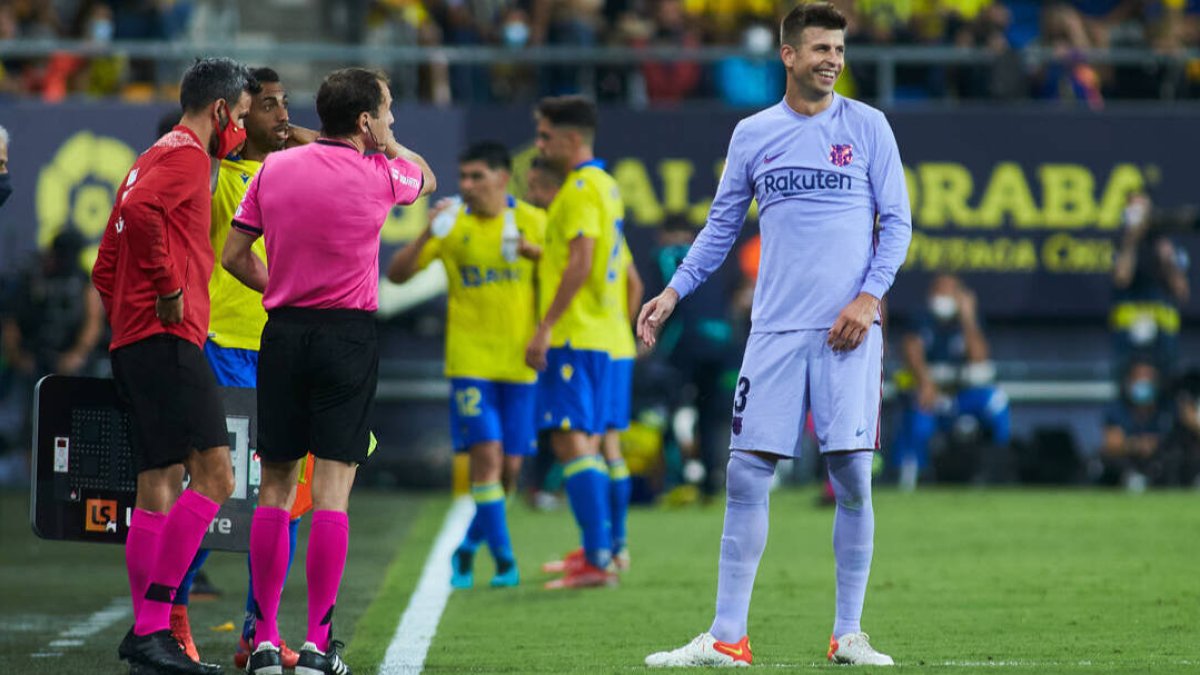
<point x="406" y="653"/>
<point x="76" y="634"/>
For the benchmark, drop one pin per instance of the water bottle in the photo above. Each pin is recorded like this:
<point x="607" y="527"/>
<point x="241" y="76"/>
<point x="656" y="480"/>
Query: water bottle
<point x="510" y="237"/>
<point x="444" y="222"/>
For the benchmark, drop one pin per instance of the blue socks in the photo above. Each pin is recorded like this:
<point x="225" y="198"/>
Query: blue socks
<point x="748" y="487"/>
<point x="184" y="593"/>
<point x="587" y="490"/>
<point x="620" y="487"/>
<point x="490" y="522"/>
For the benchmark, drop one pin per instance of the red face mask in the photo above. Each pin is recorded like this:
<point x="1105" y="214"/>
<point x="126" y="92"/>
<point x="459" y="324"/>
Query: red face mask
<point x="229" y="137"/>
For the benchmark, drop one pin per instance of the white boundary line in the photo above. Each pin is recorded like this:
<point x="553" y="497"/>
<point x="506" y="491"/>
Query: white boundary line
<point x="76" y="634"/>
<point x="406" y="653"/>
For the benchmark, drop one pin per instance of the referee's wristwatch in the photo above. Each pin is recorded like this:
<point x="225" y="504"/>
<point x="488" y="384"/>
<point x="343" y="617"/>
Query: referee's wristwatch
<point x="174" y="296"/>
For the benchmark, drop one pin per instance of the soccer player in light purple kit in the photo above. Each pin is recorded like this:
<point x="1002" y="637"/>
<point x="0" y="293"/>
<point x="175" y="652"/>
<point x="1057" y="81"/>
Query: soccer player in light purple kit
<point x="821" y="167"/>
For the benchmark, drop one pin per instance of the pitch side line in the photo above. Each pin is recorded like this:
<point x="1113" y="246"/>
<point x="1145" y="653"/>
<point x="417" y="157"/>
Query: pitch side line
<point x="409" y="646"/>
<point x="77" y="634"/>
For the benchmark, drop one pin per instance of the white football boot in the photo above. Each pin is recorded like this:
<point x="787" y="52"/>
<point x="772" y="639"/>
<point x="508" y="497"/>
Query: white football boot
<point x="855" y="649"/>
<point x="704" y="650"/>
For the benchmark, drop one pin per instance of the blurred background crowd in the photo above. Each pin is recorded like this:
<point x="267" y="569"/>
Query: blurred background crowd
<point x="1109" y="395"/>
<point x="1020" y="49"/>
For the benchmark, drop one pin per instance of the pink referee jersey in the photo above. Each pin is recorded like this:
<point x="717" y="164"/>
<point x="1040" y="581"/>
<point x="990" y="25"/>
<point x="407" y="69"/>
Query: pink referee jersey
<point x="320" y="208"/>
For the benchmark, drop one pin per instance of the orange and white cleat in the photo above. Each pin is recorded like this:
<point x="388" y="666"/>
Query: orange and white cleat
<point x="181" y="630"/>
<point x="588" y="576"/>
<point x="287" y="656"/>
<point x="855" y="649"/>
<point x="242" y="656"/>
<point x="571" y="561"/>
<point x="705" y="651"/>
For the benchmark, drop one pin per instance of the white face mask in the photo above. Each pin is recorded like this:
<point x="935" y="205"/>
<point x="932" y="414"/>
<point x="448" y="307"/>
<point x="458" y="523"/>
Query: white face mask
<point x="516" y="34"/>
<point x="943" y="307"/>
<point x="758" y="39"/>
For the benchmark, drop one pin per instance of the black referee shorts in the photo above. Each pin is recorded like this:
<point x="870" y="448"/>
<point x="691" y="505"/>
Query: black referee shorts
<point x="165" y="385"/>
<point x="317" y="372"/>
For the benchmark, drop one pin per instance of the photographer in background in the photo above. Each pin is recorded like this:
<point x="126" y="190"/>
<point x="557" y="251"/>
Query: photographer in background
<point x="948" y="387"/>
<point x="1149" y="285"/>
<point x="1134" y="429"/>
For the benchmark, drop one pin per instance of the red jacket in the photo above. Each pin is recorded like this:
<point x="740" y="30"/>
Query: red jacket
<point x="157" y="241"/>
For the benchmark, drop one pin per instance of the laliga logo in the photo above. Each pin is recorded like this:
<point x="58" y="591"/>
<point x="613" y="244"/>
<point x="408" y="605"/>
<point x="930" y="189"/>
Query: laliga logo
<point x="77" y="187"/>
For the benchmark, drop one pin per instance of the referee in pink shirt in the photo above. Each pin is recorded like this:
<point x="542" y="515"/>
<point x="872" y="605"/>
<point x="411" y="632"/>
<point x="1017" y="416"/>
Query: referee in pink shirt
<point x="320" y="208"/>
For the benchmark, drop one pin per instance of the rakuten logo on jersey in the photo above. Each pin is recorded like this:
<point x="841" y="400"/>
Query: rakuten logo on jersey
<point x="788" y="181"/>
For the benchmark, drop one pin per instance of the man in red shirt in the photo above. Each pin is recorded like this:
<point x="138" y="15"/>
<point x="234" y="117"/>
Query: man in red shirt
<point x="152" y="273"/>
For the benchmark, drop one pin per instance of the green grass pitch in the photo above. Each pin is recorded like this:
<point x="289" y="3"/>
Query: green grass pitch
<point x="1015" y="580"/>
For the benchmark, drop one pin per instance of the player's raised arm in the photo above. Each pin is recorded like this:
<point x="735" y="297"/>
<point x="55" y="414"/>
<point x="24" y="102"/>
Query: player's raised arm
<point x="725" y="220"/>
<point x="395" y="150"/>
<point x="407" y="261"/>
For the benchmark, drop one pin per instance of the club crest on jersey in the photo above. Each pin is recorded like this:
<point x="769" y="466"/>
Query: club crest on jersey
<point x="841" y="155"/>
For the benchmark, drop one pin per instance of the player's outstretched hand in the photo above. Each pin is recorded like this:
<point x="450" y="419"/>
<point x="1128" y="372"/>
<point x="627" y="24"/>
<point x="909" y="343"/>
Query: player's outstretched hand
<point x="535" y="353"/>
<point x="852" y="324"/>
<point x="654" y="314"/>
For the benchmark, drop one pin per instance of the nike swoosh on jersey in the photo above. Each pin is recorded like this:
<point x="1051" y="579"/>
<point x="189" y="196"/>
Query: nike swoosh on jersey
<point x="771" y="158"/>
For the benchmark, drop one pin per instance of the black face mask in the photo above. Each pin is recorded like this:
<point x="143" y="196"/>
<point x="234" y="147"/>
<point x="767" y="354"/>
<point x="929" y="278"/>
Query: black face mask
<point x="5" y="188"/>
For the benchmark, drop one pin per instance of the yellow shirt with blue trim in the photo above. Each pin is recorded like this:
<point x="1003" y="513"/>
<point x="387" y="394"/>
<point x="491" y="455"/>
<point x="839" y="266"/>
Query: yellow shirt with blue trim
<point x="621" y="344"/>
<point x="237" y="317"/>
<point x="588" y="205"/>
<point x="491" y="312"/>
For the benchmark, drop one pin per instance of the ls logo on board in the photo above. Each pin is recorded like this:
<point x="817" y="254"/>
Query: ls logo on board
<point x="101" y="515"/>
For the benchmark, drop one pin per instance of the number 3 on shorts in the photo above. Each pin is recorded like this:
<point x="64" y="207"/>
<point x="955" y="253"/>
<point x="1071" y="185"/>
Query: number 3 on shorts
<point x="468" y="401"/>
<point x="743" y="390"/>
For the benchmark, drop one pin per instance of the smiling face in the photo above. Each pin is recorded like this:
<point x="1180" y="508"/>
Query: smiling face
<point x="815" y="62"/>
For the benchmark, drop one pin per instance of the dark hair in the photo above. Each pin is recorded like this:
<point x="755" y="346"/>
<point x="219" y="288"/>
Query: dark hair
<point x="549" y="169"/>
<point x="212" y="79"/>
<point x="491" y="153"/>
<point x="262" y="76"/>
<point x="814" y="14"/>
<point x="568" y="111"/>
<point x="344" y="95"/>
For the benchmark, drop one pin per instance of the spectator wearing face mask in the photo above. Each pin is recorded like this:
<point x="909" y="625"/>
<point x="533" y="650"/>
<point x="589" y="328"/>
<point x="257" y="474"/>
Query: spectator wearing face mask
<point x="948" y="379"/>
<point x="752" y="82"/>
<point x="1134" y="428"/>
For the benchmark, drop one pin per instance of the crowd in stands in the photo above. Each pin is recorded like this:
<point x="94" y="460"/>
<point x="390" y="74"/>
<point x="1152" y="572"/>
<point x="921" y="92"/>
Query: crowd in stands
<point x="1062" y="32"/>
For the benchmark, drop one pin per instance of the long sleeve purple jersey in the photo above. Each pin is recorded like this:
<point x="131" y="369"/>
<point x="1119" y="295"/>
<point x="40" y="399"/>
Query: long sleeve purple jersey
<point x="819" y="182"/>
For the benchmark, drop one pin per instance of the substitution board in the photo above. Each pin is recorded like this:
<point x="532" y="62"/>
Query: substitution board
<point x="84" y="485"/>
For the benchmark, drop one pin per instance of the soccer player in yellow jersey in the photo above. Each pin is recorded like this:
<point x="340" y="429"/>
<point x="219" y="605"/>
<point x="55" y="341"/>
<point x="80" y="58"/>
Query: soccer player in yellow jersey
<point x="577" y="292"/>
<point x="622" y="353"/>
<point x="489" y="244"/>
<point x="237" y="316"/>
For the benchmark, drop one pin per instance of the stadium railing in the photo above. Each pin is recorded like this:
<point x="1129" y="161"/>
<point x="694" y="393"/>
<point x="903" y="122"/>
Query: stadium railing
<point x="884" y="59"/>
